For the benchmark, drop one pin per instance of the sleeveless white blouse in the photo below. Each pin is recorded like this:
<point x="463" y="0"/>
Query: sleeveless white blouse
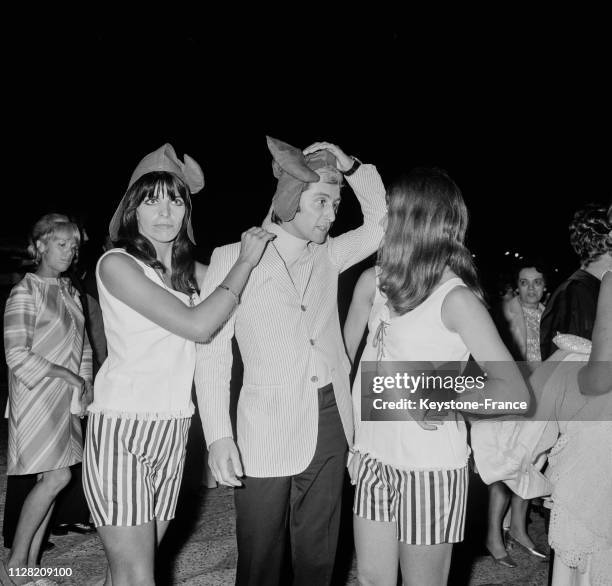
<point x="418" y="335"/>
<point x="149" y="371"/>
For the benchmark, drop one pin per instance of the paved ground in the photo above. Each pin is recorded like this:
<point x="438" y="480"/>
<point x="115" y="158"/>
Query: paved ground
<point x="200" y="548"/>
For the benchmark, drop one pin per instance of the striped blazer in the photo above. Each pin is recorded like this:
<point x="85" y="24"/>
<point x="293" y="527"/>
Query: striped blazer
<point x="277" y="326"/>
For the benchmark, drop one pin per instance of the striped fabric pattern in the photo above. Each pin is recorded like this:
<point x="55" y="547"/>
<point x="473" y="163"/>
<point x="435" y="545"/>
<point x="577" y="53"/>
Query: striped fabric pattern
<point x="427" y="506"/>
<point x="43" y="326"/>
<point x="278" y="325"/>
<point x="133" y="468"/>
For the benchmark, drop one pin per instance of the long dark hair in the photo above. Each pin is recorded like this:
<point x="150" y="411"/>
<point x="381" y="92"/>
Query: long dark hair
<point x="129" y="238"/>
<point x="426" y="225"/>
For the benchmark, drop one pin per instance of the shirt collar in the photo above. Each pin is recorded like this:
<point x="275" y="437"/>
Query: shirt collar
<point x="289" y="247"/>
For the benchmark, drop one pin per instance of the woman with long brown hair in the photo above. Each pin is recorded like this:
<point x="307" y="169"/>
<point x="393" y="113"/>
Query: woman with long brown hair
<point x="422" y="304"/>
<point x="140" y="417"/>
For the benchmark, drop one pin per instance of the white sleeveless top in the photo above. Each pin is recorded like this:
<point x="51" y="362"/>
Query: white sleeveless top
<point x="418" y="335"/>
<point x="149" y="371"/>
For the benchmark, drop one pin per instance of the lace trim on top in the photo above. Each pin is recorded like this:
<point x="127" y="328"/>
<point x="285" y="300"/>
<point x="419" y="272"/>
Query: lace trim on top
<point x="378" y="341"/>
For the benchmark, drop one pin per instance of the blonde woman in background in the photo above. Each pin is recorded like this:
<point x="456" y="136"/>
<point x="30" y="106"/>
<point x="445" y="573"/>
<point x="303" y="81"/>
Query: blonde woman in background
<point x="49" y="357"/>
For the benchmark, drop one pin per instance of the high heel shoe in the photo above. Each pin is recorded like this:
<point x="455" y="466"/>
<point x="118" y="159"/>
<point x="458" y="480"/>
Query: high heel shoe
<point x="505" y="561"/>
<point x="512" y="541"/>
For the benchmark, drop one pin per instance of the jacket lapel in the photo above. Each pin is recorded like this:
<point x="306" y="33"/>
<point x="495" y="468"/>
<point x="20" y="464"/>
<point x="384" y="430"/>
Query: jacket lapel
<point x="273" y="265"/>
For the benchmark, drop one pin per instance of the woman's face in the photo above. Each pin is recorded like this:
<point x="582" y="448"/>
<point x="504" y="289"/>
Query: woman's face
<point x="58" y="252"/>
<point x="159" y="217"/>
<point x="531" y="286"/>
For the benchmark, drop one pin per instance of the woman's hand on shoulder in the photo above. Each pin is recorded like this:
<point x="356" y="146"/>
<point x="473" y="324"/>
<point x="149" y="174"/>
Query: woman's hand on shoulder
<point x="253" y="242"/>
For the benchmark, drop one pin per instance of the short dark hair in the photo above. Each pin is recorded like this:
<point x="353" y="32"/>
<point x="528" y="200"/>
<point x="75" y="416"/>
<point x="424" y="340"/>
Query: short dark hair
<point x="590" y="232"/>
<point x="529" y="264"/>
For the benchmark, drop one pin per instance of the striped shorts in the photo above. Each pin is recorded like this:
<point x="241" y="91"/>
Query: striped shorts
<point x="132" y="469"/>
<point x="427" y="506"/>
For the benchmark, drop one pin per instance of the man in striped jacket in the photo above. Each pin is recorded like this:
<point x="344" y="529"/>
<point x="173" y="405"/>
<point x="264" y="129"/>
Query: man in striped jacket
<point x="294" y="413"/>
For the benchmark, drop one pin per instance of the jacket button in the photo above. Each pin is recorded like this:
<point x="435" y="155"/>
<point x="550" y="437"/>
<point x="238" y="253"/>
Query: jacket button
<point x="303" y="307"/>
<point x="311" y="342"/>
<point x="314" y="379"/>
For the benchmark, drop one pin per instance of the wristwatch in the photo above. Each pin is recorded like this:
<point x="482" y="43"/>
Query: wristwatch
<point x="356" y="164"/>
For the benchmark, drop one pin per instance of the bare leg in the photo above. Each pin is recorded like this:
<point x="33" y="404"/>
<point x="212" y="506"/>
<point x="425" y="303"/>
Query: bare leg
<point x="498" y="502"/>
<point x="377" y="552"/>
<point x="38" y="539"/>
<point x="34" y="517"/>
<point x="160" y="530"/>
<point x="131" y="553"/>
<point x="425" y="565"/>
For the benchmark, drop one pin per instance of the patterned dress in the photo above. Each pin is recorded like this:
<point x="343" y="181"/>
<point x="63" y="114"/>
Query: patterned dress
<point x="43" y="326"/>
<point x="532" y="325"/>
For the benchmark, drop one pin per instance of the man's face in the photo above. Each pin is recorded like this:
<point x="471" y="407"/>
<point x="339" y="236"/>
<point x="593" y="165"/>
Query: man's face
<point x="318" y="207"/>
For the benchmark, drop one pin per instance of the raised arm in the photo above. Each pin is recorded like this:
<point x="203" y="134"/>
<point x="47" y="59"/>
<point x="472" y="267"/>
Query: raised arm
<point x="596" y="377"/>
<point x="464" y="313"/>
<point x="355" y="245"/>
<point x="359" y="311"/>
<point x="125" y="280"/>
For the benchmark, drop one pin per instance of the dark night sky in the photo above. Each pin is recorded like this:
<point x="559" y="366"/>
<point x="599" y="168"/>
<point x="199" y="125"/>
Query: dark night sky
<point x="511" y="110"/>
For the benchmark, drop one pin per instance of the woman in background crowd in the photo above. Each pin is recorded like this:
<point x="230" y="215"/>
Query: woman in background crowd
<point x="49" y="360"/>
<point x="574" y="418"/>
<point x="522" y="313"/>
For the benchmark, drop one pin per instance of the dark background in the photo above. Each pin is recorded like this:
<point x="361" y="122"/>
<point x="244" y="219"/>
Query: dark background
<point x="510" y="103"/>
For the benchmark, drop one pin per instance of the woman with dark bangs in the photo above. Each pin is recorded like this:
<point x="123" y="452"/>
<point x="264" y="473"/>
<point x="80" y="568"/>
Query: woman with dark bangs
<point x="140" y="416"/>
<point x="422" y="304"/>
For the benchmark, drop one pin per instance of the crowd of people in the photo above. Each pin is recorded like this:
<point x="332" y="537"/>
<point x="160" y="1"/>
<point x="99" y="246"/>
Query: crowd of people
<point x="168" y="324"/>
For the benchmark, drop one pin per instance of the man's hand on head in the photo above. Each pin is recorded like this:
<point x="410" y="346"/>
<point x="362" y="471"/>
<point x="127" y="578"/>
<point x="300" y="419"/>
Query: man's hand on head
<point x="344" y="161"/>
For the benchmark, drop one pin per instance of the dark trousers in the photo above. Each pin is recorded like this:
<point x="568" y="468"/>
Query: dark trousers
<point x="297" y="514"/>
